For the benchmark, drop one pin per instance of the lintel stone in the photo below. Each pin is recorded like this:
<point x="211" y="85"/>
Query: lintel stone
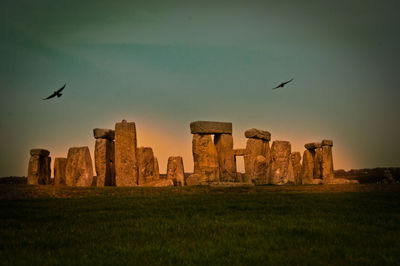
<point x="312" y="145"/>
<point x="210" y="127"/>
<point x="40" y="152"/>
<point x="258" y="134"/>
<point x="101" y="133"/>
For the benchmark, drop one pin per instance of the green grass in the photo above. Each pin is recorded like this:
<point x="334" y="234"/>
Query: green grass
<point x="252" y="226"/>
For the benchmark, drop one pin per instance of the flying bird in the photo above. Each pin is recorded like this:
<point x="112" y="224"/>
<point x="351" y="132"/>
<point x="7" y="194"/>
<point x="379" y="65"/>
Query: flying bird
<point x="282" y="84"/>
<point x="56" y="93"/>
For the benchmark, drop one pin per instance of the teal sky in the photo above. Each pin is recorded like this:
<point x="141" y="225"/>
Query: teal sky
<point x="163" y="64"/>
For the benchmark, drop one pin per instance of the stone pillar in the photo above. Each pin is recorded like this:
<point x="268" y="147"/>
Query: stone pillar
<point x="156" y="169"/>
<point x="103" y="160"/>
<point x="226" y="159"/>
<point x="59" y="171"/>
<point x="254" y="147"/>
<point x="318" y="162"/>
<point x="39" y="170"/>
<point x="267" y="155"/>
<point x="295" y="159"/>
<point x="145" y="162"/>
<point x="308" y="165"/>
<point x="104" y="156"/>
<point x="205" y="158"/>
<point x="126" y="170"/>
<point x="175" y="170"/>
<point x="79" y="168"/>
<point x="327" y="172"/>
<point x="257" y="144"/>
<point x="281" y="173"/>
<point x="260" y="170"/>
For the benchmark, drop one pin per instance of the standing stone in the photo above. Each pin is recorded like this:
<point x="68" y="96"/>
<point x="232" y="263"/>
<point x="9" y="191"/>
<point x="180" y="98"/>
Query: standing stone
<point x="260" y="170"/>
<point x="145" y="161"/>
<point x="290" y="173"/>
<point x="295" y="159"/>
<point x="112" y="164"/>
<point x="226" y="159"/>
<point x="254" y="147"/>
<point x="59" y="171"/>
<point x="156" y="169"/>
<point x="175" y="170"/>
<point x="267" y="155"/>
<point x="318" y="163"/>
<point x="280" y="158"/>
<point x="327" y="172"/>
<point x="103" y="159"/>
<point x="39" y="170"/>
<point x="79" y="168"/>
<point x="205" y="158"/>
<point x="126" y="171"/>
<point x="307" y="167"/>
<point x="47" y="170"/>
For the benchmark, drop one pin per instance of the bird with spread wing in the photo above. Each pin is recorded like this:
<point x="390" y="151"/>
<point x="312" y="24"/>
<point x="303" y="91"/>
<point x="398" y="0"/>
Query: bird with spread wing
<point x="56" y="93"/>
<point x="282" y="84"/>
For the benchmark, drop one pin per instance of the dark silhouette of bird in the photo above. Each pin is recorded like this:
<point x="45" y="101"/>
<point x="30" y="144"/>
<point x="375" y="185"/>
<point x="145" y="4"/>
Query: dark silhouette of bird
<point x="282" y="84"/>
<point x="56" y="93"/>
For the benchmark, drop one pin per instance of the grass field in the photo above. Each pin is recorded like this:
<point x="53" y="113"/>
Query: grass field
<point x="334" y="225"/>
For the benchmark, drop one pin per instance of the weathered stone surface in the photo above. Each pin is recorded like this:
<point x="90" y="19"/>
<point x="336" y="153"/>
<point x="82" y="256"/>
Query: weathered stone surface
<point x="59" y="171"/>
<point x="175" y="170"/>
<point x="126" y="170"/>
<point x="40" y="152"/>
<point x="318" y="163"/>
<point x="103" y="159"/>
<point x="205" y="157"/>
<point x="267" y="155"/>
<point x="254" y="147"/>
<point x="280" y="161"/>
<point x="196" y="180"/>
<point x="257" y="134"/>
<point x="290" y="173"/>
<point x="260" y="171"/>
<point x="160" y="183"/>
<point x="307" y="167"/>
<point x="327" y="172"/>
<point x="47" y="169"/>
<point x="79" y="169"/>
<point x="317" y="181"/>
<point x="156" y="175"/>
<point x="145" y="161"/>
<point x="327" y="142"/>
<point x="209" y="127"/>
<point x="226" y="159"/>
<point x="239" y="152"/>
<point x="312" y="145"/>
<point x="101" y="133"/>
<point x="295" y="159"/>
<point x="39" y="171"/>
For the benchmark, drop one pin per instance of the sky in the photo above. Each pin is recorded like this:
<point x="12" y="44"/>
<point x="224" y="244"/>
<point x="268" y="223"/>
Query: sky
<point x="164" y="64"/>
